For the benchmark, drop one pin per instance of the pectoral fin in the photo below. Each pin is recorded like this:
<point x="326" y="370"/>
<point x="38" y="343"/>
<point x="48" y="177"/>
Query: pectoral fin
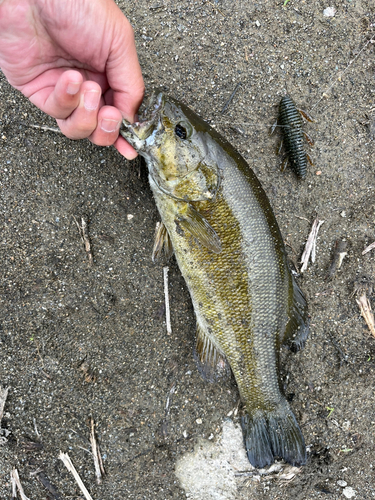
<point x="211" y="364"/>
<point x="195" y="224"/>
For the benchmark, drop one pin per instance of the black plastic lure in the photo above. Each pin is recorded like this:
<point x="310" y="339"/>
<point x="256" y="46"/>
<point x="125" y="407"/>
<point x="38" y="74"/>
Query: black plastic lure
<point x="291" y="125"/>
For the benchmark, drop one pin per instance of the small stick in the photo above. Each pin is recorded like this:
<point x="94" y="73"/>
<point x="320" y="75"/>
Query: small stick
<point x="36" y="428"/>
<point x="164" y="425"/>
<point x="3" y="398"/>
<point x="310" y="247"/>
<point x="167" y="309"/>
<point x="69" y="465"/>
<point x="214" y="6"/>
<point x="14" y="486"/>
<point x="4" y="433"/>
<point x="14" y="477"/>
<point x="339" y="253"/>
<point x="367" y="249"/>
<point x="231" y="98"/>
<point x="302" y="218"/>
<point x="43" y="127"/>
<point x="84" y="234"/>
<point x="172" y="391"/>
<point x="99" y="469"/>
<point x="368" y="315"/>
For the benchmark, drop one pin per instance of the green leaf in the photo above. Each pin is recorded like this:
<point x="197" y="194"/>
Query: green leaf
<point x="331" y="410"/>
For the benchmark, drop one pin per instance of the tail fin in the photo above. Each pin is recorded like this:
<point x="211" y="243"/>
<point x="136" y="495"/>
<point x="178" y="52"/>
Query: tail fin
<point x="274" y="434"/>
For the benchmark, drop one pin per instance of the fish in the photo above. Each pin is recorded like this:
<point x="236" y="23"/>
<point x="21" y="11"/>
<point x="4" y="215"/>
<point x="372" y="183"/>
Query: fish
<point x="227" y="243"/>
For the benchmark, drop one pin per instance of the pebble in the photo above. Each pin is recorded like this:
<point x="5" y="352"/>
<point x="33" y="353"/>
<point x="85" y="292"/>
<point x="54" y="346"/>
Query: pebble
<point x="199" y="421"/>
<point x="342" y="483"/>
<point x="329" y="12"/>
<point x="348" y="492"/>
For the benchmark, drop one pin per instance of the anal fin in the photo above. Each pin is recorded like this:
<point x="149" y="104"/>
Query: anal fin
<point x="297" y="329"/>
<point x="211" y="364"/>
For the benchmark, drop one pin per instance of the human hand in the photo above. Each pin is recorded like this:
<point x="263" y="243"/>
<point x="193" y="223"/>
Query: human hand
<point x="77" y="62"/>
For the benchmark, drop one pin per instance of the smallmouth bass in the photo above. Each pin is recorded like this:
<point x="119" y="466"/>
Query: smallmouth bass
<point x="228" y="246"/>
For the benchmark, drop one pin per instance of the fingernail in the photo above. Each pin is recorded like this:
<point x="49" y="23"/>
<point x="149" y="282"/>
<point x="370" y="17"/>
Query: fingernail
<point x="73" y="88"/>
<point x="91" y="99"/>
<point x="110" y="125"/>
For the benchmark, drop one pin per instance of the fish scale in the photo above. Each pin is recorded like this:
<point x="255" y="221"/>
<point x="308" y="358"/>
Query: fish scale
<point x="231" y="254"/>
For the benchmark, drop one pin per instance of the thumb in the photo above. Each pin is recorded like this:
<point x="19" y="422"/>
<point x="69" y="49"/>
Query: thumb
<point x="124" y="72"/>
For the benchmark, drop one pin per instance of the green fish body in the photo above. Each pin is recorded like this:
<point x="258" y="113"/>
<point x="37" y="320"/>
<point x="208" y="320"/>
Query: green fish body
<point x="230" y="251"/>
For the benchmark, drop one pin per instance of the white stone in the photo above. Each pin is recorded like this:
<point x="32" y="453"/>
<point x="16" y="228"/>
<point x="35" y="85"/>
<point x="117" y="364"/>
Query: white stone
<point x="329" y="12"/>
<point x="348" y="492"/>
<point x="209" y="472"/>
<point x="342" y="483"/>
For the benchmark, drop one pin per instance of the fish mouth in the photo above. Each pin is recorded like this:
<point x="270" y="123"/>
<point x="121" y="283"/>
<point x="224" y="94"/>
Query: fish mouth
<point x="140" y="133"/>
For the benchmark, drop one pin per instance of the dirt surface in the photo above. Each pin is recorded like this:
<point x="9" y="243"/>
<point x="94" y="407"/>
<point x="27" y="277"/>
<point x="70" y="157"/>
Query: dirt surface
<point x="80" y="341"/>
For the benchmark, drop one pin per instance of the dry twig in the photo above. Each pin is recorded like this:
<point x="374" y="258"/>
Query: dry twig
<point x="365" y="307"/>
<point x="3" y="398"/>
<point x="230" y="98"/>
<point x="167" y="309"/>
<point x="84" y="234"/>
<point x="214" y="6"/>
<point x="14" y="487"/>
<point x="367" y="249"/>
<point x="36" y="428"/>
<point x="99" y="469"/>
<point x="69" y="465"/>
<point x="339" y="252"/>
<point x="45" y="128"/>
<point x="4" y="433"/>
<point x="310" y="247"/>
<point x="16" y="483"/>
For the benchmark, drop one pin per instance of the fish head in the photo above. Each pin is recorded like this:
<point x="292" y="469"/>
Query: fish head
<point x="175" y="143"/>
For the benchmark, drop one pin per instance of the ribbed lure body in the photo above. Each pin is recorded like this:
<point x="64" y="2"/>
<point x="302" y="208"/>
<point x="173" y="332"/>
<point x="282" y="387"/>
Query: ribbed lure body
<point x="291" y="123"/>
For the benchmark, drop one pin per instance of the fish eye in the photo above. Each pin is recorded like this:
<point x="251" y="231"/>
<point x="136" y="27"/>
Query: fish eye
<point x="183" y="130"/>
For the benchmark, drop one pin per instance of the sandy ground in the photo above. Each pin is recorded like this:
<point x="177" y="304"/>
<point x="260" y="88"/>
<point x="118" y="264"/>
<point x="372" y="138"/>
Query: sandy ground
<point x="80" y="341"/>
